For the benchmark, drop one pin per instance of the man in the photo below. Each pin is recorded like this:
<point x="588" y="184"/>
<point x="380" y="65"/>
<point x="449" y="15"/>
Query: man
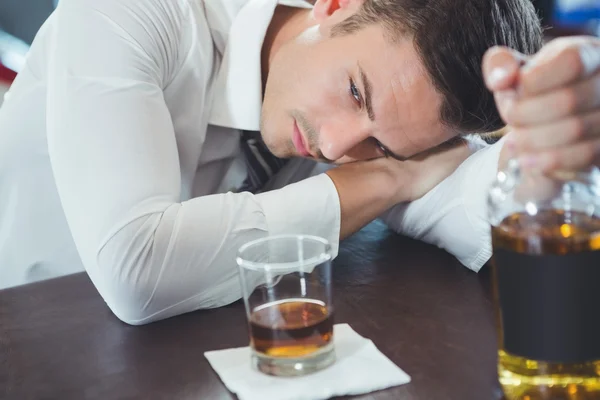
<point x="121" y="136"/>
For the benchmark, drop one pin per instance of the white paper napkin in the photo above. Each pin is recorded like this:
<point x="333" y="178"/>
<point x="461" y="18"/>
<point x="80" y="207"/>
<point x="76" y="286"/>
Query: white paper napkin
<point x="359" y="368"/>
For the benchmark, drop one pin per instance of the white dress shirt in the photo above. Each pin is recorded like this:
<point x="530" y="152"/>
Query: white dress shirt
<point x="119" y="147"/>
<point x="3" y="90"/>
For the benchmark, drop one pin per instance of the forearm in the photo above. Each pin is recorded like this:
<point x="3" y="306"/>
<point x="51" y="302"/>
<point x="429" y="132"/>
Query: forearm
<point x="366" y="190"/>
<point x="165" y="259"/>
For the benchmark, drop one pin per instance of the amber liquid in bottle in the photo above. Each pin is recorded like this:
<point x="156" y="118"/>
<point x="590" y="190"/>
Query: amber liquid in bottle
<point x="546" y="278"/>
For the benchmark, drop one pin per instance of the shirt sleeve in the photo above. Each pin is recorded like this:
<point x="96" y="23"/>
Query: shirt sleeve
<point x="453" y="216"/>
<point x="115" y="163"/>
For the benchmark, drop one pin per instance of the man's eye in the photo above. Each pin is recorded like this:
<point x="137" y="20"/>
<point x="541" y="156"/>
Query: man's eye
<point x="382" y="148"/>
<point x="354" y="92"/>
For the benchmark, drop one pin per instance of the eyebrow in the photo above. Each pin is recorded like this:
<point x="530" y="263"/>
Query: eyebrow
<point x="369" y="104"/>
<point x="368" y="91"/>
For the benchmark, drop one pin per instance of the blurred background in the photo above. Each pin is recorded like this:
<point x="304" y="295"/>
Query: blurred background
<point x="21" y="19"/>
<point x="574" y="15"/>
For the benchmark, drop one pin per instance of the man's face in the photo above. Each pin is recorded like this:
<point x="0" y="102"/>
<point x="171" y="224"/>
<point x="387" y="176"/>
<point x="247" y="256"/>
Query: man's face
<point x="342" y="98"/>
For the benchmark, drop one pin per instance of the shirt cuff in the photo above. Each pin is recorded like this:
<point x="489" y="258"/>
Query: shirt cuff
<point x="308" y="207"/>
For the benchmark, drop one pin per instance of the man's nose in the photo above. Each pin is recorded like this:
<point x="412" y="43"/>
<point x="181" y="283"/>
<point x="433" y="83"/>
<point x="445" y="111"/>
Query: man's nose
<point x="338" y="138"/>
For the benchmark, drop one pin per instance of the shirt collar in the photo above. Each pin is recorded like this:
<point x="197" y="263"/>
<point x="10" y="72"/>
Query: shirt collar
<point x="237" y="90"/>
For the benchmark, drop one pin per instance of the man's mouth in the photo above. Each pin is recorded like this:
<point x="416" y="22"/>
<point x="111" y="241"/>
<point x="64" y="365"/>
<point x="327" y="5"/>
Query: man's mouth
<point x="299" y="141"/>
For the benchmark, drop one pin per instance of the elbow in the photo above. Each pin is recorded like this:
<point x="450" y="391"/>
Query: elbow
<point x="125" y="302"/>
<point x="127" y="297"/>
<point x="144" y="274"/>
<point x="126" y="272"/>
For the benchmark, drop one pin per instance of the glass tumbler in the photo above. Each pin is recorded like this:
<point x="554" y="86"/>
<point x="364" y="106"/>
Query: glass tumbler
<point x="286" y="285"/>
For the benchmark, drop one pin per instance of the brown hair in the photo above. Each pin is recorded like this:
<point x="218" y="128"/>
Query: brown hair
<point x="451" y="37"/>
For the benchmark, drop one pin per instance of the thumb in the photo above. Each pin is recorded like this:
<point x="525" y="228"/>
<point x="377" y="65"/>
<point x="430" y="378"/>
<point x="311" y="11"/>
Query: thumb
<point x="501" y="67"/>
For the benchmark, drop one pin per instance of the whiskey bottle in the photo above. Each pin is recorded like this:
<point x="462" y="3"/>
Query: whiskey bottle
<point x="546" y="282"/>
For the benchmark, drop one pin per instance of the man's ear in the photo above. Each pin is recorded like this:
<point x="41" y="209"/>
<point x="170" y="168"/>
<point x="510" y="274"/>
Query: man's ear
<point x="324" y="9"/>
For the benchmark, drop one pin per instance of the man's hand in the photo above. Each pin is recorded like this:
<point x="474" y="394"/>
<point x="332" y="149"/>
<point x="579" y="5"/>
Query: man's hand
<point x="417" y="176"/>
<point x="551" y="102"/>
<point x="369" y="188"/>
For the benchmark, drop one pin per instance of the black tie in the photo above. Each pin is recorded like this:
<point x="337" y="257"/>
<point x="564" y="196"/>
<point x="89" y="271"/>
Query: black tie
<point x="261" y="163"/>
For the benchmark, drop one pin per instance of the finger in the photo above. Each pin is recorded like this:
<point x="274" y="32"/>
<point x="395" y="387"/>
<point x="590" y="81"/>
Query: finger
<point x="510" y="146"/>
<point x="570" y="158"/>
<point x="578" y="98"/>
<point x="556" y="134"/>
<point x="560" y="63"/>
<point x="536" y="188"/>
<point x="501" y="68"/>
<point x="590" y="58"/>
<point x="505" y="101"/>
